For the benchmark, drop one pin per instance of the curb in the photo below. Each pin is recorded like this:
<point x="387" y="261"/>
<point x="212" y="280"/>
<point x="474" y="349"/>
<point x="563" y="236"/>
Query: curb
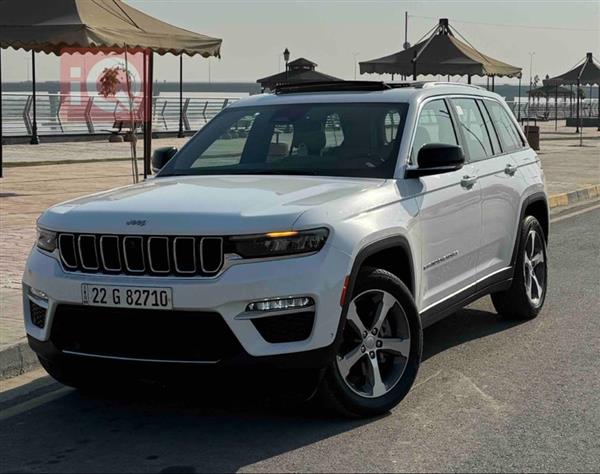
<point x="566" y="199"/>
<point x="17" y="359"/>
<point x="20" y="164"/>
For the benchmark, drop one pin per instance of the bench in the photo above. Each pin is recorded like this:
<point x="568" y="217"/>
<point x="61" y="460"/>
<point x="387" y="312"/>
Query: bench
<point x="119" y="125"/>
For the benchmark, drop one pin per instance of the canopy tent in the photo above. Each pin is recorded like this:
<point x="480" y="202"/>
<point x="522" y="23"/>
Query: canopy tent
<point x="87" y="26"/>
<point x="550" y="91"/>
<point x="440" y="53"/>
<point x="297" y="71"/>
<point x="585" y="73"/>
<point x="50" y="27"/>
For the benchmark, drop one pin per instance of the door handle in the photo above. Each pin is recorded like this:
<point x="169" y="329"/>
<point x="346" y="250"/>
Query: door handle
<point x="468" y="181"/>
<point x="510" y="170"/>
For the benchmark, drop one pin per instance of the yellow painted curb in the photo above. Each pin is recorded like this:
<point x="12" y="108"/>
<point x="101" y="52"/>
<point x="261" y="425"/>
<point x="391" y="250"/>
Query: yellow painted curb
<point x="565" y="199"/>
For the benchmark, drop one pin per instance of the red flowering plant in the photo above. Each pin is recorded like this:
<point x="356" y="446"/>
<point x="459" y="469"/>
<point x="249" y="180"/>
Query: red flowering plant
<point x="111" y="81"/>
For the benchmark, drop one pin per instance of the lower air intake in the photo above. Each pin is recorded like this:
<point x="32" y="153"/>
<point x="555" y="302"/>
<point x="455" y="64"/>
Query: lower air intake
<point x="143" y="334"/>
<point x="286" y="327"/>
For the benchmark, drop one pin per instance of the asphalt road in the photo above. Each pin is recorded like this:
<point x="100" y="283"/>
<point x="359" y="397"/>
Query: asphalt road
<point x="491" y="396"/>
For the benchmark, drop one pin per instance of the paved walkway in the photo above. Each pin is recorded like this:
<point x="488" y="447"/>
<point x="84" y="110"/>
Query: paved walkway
<point x="78" y="151"/>
<point x="26" y="191"/>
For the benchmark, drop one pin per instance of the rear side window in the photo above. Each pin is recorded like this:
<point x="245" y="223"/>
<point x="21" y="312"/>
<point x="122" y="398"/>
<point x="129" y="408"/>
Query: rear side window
<point x="490" y="128"/>
<point x="434" y="126"/>
<point x="508" y="135"/>
<point x="473" y="128"/>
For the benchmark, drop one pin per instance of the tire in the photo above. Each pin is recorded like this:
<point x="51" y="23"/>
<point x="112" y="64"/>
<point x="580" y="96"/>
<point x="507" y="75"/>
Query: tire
<point x="526" y="296"/>
<point x="394" y="352"/>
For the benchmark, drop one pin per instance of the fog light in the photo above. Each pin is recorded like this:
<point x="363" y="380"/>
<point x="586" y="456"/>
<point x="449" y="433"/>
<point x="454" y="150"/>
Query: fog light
<point x="281" y="304"/>
<point x="38" y="294"/>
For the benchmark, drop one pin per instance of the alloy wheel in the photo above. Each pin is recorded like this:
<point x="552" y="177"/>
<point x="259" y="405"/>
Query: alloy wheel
<point x="534" y="267"/>
<point x="375" y="345"/>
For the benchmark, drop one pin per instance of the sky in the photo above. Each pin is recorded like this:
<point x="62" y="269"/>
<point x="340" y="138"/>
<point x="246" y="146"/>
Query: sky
<point x="337" y="34"/>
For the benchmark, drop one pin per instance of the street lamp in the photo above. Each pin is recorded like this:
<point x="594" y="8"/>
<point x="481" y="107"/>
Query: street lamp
<point x="180" y="132"/>
<point x="286" y="58"/>
<point x="531" y="55"/>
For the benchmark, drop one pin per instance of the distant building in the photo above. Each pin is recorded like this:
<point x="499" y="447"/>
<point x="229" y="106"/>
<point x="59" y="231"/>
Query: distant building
<point x="298" y="70"/>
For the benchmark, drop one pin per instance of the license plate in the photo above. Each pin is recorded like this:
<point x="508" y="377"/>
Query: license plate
<point x="127" y="296"/>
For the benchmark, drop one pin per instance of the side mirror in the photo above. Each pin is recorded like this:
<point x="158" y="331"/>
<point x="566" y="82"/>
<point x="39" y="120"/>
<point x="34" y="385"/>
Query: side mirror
<point x="161" y="156"/>
<point x="437" y="158"/>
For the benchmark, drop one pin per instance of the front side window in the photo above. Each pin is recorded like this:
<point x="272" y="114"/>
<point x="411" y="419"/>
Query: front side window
<point x="310" y="139"/>
<point x="508" y="135"/>
<point x="473" y="129"/>
<point x="434" y="126"/>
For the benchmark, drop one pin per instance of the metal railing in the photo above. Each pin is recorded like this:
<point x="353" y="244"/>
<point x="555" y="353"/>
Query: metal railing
<point x="60" y="114"/>
<point x="543" y="111"/>
<point x="70" y="114"/>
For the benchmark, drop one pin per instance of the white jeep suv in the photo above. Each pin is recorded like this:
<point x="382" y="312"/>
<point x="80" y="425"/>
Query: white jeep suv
<point x="322" y="226"/>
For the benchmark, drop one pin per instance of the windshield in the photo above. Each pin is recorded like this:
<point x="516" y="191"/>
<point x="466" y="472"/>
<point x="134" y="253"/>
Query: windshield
<point x="305" y="139"/>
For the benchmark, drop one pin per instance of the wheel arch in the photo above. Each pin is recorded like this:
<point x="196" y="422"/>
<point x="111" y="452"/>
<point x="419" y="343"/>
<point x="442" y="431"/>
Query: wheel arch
<point x="535" y="205"/>
<point x="392" y="254"/>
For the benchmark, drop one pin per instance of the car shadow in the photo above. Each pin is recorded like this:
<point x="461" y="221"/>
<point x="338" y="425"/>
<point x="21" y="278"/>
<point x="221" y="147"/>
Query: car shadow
<point x="157" y="431"/>
<point x="153" y="429"/>
<point x="461" y="327"/>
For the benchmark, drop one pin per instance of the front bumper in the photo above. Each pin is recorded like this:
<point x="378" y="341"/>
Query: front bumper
<point x="320" y="276"/>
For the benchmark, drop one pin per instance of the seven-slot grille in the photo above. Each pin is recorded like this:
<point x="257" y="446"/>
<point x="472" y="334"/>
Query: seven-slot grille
<point x="141" y="255"/>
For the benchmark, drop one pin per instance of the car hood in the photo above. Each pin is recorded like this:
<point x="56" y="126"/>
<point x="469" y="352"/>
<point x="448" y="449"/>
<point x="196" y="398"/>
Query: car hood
<point x="204" y="205"/>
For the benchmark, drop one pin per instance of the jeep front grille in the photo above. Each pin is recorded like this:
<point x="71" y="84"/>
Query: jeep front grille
<point x="141" y="255"/>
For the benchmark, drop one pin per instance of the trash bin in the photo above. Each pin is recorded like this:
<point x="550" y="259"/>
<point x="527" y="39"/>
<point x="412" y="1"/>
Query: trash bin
<point x="532" y="132"/>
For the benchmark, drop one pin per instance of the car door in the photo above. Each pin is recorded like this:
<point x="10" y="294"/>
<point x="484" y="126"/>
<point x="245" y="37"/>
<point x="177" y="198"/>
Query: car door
<point x="500" y="190"/>
<point x="474" y="131"/>
<point x="449" y="213"/>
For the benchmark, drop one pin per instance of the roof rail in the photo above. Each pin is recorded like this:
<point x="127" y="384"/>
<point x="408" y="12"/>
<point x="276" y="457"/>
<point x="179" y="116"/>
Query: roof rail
<point x="331" y="86"/>
<point x="427" y="85"/>
<point x="360" y="86"/>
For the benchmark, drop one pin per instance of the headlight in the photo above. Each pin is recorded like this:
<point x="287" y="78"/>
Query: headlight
<point x="46" y="240"/>
<point x="274" y="244"/>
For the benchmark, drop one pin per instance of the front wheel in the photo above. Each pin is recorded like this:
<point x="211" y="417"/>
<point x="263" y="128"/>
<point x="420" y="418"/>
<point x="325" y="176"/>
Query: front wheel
<point x="380" y="351"/>
<point x="526" y="296"/>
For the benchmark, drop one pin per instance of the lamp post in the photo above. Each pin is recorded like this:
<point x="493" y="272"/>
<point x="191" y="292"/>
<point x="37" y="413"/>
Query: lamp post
<point x="34" y="132"/>
<point x="519" y="98"/>
<point x="286" y="58"/>
<point x="180" y="132"/>
<point x="531" y="55"/>
<point x="1" y="140"/>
